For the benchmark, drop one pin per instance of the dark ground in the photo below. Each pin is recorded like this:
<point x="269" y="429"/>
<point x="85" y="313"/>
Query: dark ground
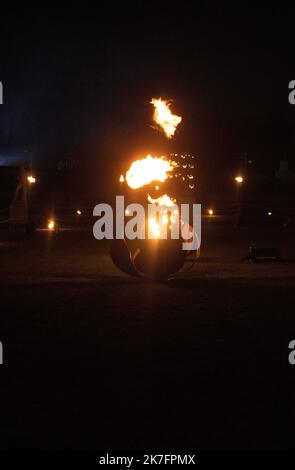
<point x="94" y="359"/>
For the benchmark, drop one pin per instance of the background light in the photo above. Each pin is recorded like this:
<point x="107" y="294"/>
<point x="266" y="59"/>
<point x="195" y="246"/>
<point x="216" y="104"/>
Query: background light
<point x="51" y="224"/>
<point x="239" y="179"/>
<point x="31" y="179"/>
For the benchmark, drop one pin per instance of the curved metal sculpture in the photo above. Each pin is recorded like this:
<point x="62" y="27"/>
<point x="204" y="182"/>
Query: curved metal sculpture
<point x="152" y="259"/>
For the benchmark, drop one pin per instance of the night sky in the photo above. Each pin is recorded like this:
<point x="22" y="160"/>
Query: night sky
<point x="77" y="82"/>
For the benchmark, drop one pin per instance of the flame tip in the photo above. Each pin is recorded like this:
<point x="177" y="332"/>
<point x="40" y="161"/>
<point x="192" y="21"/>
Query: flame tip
<point x="163" y="116"/>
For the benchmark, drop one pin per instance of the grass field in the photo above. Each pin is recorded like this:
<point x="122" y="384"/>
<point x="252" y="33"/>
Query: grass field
<point x="95" y="359"/>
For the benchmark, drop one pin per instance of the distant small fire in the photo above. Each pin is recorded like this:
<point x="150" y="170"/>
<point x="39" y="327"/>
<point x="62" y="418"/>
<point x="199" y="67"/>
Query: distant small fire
<point x="51" y="225"/>
<point x="164" y="118"/>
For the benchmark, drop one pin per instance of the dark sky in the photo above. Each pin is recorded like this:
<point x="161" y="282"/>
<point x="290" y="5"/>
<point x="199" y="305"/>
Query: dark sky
<point x="77" y="81"/>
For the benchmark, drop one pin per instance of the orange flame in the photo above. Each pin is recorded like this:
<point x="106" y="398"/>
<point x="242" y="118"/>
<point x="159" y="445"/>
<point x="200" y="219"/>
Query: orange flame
<point x="51" y="224"/>
<point x="164" y="118"/>
<point x="162" y="201"/>
<point x="155" y="228"/>
<point x="145" y="171"/>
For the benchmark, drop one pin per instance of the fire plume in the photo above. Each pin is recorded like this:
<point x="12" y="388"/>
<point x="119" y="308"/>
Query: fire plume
<point x="164" y="118"/>
<point x="147" y="170"/>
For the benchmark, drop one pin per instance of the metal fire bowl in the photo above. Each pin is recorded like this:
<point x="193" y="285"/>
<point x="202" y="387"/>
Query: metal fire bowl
<point x="151" y="259"/>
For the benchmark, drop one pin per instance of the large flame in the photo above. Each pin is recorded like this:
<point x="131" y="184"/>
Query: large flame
<point x="164" y="118"/>
<point x="149" y="169"/>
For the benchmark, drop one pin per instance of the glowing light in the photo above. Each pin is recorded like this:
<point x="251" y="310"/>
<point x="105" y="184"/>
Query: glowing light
<point x="154" y="228"/>
<point x="51" y="225"/>
<point x="162" y="201"/>
<point x="78" y="212"/>
<point x="31" y="179"/>
<point x="239" y="179"/>
<point x="147" y="170"/>
<point x="210" y="211"/>
<point x="152" y="171"/>
<point x="269" y="213"/>
<point x="164" y="118"/>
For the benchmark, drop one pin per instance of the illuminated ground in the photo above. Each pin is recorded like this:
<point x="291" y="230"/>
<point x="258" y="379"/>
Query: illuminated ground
<point x="96" y="359"/>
